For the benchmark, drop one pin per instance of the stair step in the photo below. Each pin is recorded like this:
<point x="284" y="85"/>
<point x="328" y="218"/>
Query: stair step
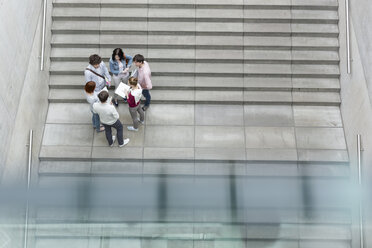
<point x="199" y="168"/>
<point x="192" y="42"/>
<point x="190" y="232"/>
<point x="217" y="83"/>
<point x="199" y="27"/>
<point x="61" y="214"/>
<point x="206" y="56"/>
<point x="200" y="242"/>
<point x="215" y="96"/>
<point x="199" y="14"/>
<point x="319" y="4"/>
<point x="208" y="69"/>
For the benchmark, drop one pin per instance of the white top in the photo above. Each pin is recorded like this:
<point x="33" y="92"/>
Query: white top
<point x="137" y="93"/>
<point x="121" y="67"/>
<point x="92" y="98"/>
<point x="107" y="112"/>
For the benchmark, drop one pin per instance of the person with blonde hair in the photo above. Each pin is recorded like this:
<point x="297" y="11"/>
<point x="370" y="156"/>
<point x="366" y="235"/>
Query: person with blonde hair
<point x="134" y="98"/>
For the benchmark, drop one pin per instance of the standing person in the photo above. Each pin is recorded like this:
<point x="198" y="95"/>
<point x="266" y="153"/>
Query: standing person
<point x="144" y="78"/>
<point x="134" y="99"/>
<point x="97" y="72"/>
<point x="119" y="67"/>
<point x="91" y="99"/>
<point x="109" y="118"/>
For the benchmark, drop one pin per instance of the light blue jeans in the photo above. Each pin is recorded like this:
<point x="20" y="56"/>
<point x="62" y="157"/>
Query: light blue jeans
<point x="96" y="122"/>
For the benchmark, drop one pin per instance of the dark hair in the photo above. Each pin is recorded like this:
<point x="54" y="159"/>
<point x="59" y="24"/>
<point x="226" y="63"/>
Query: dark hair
<point x="95" y="59"/>
<point x="133" y="81"/>
<point x="119" y="52"/>
<point x="102" y="96"/>
<point x="139" y="58"/>
<point x="90" y="86"/>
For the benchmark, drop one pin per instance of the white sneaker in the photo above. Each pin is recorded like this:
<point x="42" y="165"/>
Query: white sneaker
<point x="113" y="140"/>
<point x="126" y="141"/>
<point x="142" y="122"/>
<point x="131" y="128"/>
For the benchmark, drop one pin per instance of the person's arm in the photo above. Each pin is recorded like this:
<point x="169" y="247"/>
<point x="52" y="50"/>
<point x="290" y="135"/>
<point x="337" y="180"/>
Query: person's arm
<point x="114" y="112"/>
<point x="94" y="108"/>
<point x="105" y="72"/>
<point x="130" y="62"/>
<point x="112" y="69"/>
<point x="147" y="79"/>
<point x="88" y="75"/>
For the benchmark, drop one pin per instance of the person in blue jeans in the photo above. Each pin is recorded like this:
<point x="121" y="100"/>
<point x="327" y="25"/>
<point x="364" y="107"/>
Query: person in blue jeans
<point x="119" y="67"/>
<point x="92" y="98"/>
<point x="144" y="78"/>
<point x="109" y="118"/>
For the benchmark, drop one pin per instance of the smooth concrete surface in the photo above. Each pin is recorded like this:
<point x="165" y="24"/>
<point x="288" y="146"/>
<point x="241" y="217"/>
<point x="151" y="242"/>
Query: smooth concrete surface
<point x="356" y="111"/>
<point x="24" y="104"/>
<point x="360" y="18"/>
<point x="15" y="51"/>
<point x="202" y="131"/>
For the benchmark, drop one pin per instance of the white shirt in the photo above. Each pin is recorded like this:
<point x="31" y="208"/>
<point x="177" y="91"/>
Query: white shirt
<point x="121" y="67"/>
<point x="92" y="98"/>
<point x="107" y="112"/>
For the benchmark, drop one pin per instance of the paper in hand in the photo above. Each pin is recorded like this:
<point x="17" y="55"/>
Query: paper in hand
<point x="104" y="89"/>
<point x="122" y="90"/>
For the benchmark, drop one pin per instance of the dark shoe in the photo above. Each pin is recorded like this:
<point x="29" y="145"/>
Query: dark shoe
<point x="144" y="108"/>
<point x="116" y="103"/>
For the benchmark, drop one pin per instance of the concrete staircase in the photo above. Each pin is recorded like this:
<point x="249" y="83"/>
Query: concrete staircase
<point x="248" y="88"/>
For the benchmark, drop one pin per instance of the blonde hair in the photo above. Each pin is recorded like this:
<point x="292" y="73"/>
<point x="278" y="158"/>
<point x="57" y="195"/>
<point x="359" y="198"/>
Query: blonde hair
<point x="133" y="81"/>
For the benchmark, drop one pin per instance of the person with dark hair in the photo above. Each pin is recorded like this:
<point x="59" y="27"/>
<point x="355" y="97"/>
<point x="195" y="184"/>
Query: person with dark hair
<point x="134" y="98"/>
<point x="91" y="99"/>
<point x="144" y="78"/>
<point x="97" y="72"/>
<point x="119" y="67"/>
<point x="109" y="118"/>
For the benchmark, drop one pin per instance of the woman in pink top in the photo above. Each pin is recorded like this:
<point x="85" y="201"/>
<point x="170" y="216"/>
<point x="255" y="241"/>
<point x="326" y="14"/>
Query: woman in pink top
<point x="134" y="99"/>
<point x="144" y="78"/>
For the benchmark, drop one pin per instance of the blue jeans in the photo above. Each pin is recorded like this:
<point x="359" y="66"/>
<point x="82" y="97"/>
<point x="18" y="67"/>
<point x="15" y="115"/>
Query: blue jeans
<point x="119" y="129"/>
<point x="96" y="122"/>
<point x="146" y="94"/>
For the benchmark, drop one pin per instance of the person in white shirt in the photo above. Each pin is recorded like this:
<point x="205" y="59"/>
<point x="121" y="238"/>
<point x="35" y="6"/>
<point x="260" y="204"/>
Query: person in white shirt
<point x="91" y="99"/>
<point x="109" y="118"/>
<point x="134" y="99"/>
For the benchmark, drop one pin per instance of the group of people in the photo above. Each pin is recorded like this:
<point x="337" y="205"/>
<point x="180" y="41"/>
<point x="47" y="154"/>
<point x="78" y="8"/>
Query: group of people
<point x="103" y="107"/>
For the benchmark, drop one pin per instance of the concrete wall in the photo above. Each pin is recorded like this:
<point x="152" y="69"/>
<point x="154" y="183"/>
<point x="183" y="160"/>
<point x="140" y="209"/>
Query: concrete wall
<point x="24" y="89"/>
<point x="23" y="101"/>
<point x="356" y="100"/>
<point x="361" y="17"/>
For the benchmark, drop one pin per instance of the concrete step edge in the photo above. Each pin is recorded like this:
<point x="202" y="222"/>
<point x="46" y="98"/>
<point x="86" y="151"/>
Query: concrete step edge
<point x="216" y="47"/>
<point x="201" y="6"/>
<point x="232" y="61"/>
<point x="71" y="17"/>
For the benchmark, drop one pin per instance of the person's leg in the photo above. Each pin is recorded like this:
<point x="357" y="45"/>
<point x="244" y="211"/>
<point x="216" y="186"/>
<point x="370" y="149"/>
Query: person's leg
<point x="141" y="113"/>
<point x="116" y="80"/>
<point x="146" y="94"/>
<point x="108" y="133"/>
<point x="124" y="78"/>
<point x="133" y="114"/>
<point x="119" y="128"/>
<point x="96" y="122"/>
